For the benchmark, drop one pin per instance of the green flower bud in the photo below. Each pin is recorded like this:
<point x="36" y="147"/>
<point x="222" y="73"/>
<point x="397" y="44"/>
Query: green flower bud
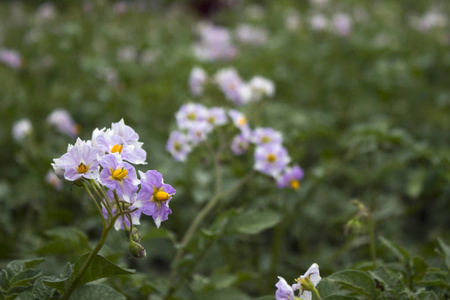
<point x="134" y="233"/>
<point x="137" y="250"/>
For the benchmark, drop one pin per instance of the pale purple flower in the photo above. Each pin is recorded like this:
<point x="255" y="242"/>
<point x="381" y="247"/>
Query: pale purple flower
<point x="217" y="116"/>
<point x="318" y="22"/>
<point x="61" y="119"/>
<point x="154" y="196"/>
<point x="252" y="35"/>
<point x="79" y="162"/>
<point x="123" y="221"/>
<point x="127" y="133"/>
<point x="314" y="276"/>
<point x="271" y="159"/>
<point x="118" y="175"/>
<point x="215" y="43"/>
<point x="178" y="145"/>
<point x="232" y="86"/>
<point x="46" y="11"/>
<point x="239" y="144"/>
<point x="284" y="290"/>
<point x="197" y="81"/>
<point x="21" y="129"/>
<point x="261" y="87"/>
<point x="290" y="177"/>
<point x="265" y="136"/>
<point x="190" y="114"/>
<point x="53" y="179"/>
<point x="240" y="121"/>
<point x="11" y="58"/>
<point x="342" y="24"/>
<point x="198" y="132"/>
<point x="120" y="7"/>
<point x="113" y="143"/>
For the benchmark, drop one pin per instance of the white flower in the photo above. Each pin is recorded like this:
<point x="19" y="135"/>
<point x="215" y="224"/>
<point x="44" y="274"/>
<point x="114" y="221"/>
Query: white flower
<point x="21" y="129"/>
<point x="261" y="87"/>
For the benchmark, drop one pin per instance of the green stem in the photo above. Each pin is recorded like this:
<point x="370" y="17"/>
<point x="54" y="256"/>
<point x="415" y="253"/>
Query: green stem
<point x="91" y="256"/>
<point x="105" y="200"/>
<point x="317" y="294"/>
<point x="371" y="228"/>
<point x="194" y="226"/>
<point x="95" y="202"/>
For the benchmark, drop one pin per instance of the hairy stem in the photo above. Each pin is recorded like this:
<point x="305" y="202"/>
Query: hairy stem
<point x="95" y="202"/>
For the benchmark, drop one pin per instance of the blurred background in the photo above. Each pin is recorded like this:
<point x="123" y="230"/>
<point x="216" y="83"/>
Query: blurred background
<point x="362" y="97"/>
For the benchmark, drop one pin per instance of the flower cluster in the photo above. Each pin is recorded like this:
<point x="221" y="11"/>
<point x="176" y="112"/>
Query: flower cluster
<point x="233" y="87"/>
<point x="106" y="161"/>
<point x="195" y="121"/>
<point x="214" y="43"/>
<point x="305" y="284"/>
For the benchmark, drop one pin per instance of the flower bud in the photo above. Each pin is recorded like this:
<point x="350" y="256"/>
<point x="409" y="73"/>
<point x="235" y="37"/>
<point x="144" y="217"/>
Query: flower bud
<point x="137" y="250"/>
<point x="306" y="283"/>
<point x="134" y="232"/>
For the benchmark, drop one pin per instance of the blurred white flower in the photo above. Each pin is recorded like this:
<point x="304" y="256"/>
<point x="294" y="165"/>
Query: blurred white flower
<point x="261" y="87"/>
<point x="46" y="11"/>
<point x="127" y="54"/>
<point x="318" y="22"/>
<point x="215" y="43"/>
<point x="197" y="81"/>
<point x="251" y="35"/>
<point x="21" y="129"/>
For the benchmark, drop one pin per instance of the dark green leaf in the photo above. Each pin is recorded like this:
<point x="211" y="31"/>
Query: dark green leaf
<point x="253" y="222"/>
<point x="100" y="267"/>
<point x="446" y="251"/>
<point x="338" y="297"/>
<point x="391" y="281"/>
<point x="358" y="281"/>
<point x="222" y="294"/>
<point x="420" y="267"/>
<point x="97" y="292"/>
<point x="65" y="240"/>
<point x="265" y="298"/>
<point x="398" y="251"/>
<point x="436" y="277"/>
<point x="24" y="277"/>
<point x="327" y="287"/>
<point x="59" y="282"/>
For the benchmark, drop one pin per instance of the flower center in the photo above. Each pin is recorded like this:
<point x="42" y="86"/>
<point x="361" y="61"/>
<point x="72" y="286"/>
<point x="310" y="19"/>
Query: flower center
<point x="295" y="184"/>
<point x="117" y="148"/>
<point x="211" y="119"/>
<point x="271" y="158"/>
<point x="119" y="173"/>
<point x="82" y="168"/>
<point x="192" y="116"/>
<point x="242" y="121"/>
<point x="177" y="146"/>
<point x="162" y="196"/>
<point x="265" y="139"/>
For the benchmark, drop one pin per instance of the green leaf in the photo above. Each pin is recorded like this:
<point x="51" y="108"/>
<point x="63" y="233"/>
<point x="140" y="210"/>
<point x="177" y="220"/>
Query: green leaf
<point x="398" y="251"/>
<point x="41" y="291"/>
<point x="97" y="292"/>
<point x="158" y="233"/>
<point x="420" y="267"/>
<point x="327" y="287"/>
<point x="337" y="297"/>
<point x="436" y="277"/>
<point x="99" y="267"/>
<point x="59" y="282"/>
<point x="28" y="296"/>
<point x="18" y="266"/>
<point x="4" y="281"/>
<point x="446" y="251"/>
<point x="65" y="240"/>
<point x="391" y="281"/>
<point x="24" y="277"/>
<point x="254" y="222"/>
<point x="265" y="298"/>
<point x="426" y="295"/>
<point x="357" y="281"/>
<point x="222" y="294"/>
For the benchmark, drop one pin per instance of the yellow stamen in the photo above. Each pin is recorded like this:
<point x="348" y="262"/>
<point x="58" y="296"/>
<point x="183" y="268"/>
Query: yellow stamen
<point x="211" y="119"/>
<point x="82" y="168"/>
<point x="177" y="146"/>
<point x="117" y="148"/>
<point x="271" y="158"/>
<point x="119" y="174"/>
<point x="192" y="116"/>
<point x="265" y="139"/>
<point x="162" y="196"/>
<point x="295" y="184"/>
<point x="242" y="121"/>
